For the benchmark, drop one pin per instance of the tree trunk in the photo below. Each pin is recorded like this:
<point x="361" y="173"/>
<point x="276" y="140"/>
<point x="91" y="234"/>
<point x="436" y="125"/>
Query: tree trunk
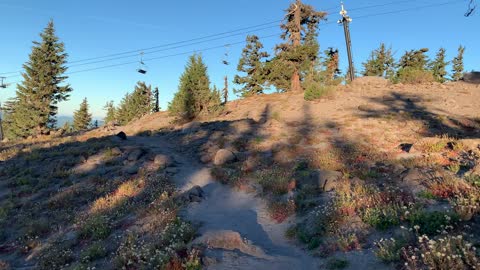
<point x="296" y="86"/>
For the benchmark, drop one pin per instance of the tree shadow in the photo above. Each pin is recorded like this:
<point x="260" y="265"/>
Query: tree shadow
<point x="408" y="107"/>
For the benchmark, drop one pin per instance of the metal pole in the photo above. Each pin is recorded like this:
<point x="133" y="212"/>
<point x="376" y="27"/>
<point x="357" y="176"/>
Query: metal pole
<point x="346" y="28"/>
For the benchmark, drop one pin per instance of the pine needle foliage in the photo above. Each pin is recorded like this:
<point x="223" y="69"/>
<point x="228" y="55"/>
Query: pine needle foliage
<point x="33" y="111"/>
<point x="438" y="66"/>
<point x="194" y="96"/>
<point x="135" y="105"/>
<point x="252" y="65"/>
<point x="296" y="55"/>
<point x="111" y="112"/>
<point x="82" y="117"/>
<point x="458" y="68"/>
<point x="380" y="63"/>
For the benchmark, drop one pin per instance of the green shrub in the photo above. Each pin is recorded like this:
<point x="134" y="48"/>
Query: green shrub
<point x="414" y="76"/>
<point x="316" y="90"/>
<point x="388" y="250"/>
<point x="96" y="227"/>
<point x="430" y="223"/>
<point x="93" y="252"/>
<point x="336" y="263"/>
<point x="381" y="217"/>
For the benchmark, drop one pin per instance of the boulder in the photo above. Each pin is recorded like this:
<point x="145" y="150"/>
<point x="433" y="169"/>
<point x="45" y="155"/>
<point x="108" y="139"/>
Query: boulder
<point x="195" y="194"/>
<point x="322" y="179"/>
<point x="472" y="77"/>
<point x="116" y="151"/>
<point x="224" y="156"/>
<point x="133" y="169"/>
<point x="230" y="240"/>
<point x="162" y="161"/>
<point x="135" y="155"/>
<point x="413" y="179"/>
<point x="122" y="135"/>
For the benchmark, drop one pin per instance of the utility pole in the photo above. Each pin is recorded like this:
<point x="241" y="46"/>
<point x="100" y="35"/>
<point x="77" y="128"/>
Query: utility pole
<point x="1" y="125"/>
<point x="346" y="20"/>
<point x="225" y="91"/>
<point x="2" y="84"/>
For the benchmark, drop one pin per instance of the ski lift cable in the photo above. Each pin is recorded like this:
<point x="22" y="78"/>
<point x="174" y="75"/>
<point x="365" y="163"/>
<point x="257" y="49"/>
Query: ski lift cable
<point x="263" y="37"/>
<point x="196" y="39"/>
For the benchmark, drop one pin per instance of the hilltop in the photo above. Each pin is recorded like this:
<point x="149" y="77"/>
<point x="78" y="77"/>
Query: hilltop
<point x="272" y="182"/>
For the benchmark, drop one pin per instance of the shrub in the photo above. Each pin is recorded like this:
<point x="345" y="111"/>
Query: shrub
<point x="315" y="91"/>
<point x="336" y="263"/>
<point x="414" y="76"/>
<point x="389" y="250"/>
<point x="448" y="253"/>
<point x="467" y="206"/>
<point x="274" y="180"/>
<point x="96" y="227"/>
<point x="381" y="217"/>
<point x="430" y="223"/>
<point x="93" y="252"/>
<point x="280" y="211"/>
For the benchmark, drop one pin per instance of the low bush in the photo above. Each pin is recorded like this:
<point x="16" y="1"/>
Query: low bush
<point x="414" y="76"/>
<point x="315" y="91"/>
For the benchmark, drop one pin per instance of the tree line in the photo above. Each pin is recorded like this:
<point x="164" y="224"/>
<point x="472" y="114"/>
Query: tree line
<point x="414" y="66"/>
<point x="296" y="64"/>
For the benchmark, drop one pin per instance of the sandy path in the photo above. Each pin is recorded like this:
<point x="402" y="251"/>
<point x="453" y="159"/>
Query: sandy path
<point x="224" y="209"/>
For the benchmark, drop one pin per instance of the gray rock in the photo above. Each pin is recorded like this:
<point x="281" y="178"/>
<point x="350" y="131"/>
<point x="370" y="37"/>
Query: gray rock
<point x="324" y="180"/>
<point x="135" y="155"/>
<point x="122" y="135"/>
<point x="133" y="169"/>
<point x="472" y="77"/>
<point x="413" y="179"/>
<point x="224" y="156"/>
<point x="196" y="191"/>
<point x="171" y="170"/>
<point x="116" y="151"/>
<point x="162" y="161"/>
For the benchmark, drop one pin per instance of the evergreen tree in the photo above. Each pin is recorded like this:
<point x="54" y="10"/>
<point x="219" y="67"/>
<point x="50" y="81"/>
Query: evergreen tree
<point x="67" y="127"/>
<point x="156" y="101"/>
<point x="95" y="124"/>
<point x="438" y="66"/>
<point x="298" y="53"/>
<point x="33" y="111"/>
<point x="82" y="118"/>
<point x="458" y="68"/>
<point x="381" y="63"/>
<point x="331" y="65"/>
<point x="136" y="104"/>
<point x="251" y="64"/>
<point x="111" y="112"/>
<point x="414" y="59"/>
<point x="194" y="96"/>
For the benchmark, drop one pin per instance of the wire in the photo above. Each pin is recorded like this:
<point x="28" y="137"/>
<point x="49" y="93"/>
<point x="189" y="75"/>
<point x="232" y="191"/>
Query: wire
<point x="114" y="56"/>
<point x="241" y="42"/>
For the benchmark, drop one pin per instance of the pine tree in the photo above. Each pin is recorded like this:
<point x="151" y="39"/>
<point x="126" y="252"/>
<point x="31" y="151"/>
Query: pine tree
<point x="381" y="63"/>
<point x="438" y="66"/>
<point x="300" y="49"/>
<point x="254" y="68"/>
<point x="194" y="96"/>
<point x="156" y="101"/>
<point x="458" y="68"/>
<point x="136" y="104"/>
<point x="331" y="65"/>
<point x="414" y="59"/>
<point x="33" y="111"/>
<point x="67" y="127"/>
<point x="81" y="117"/>
<point x="111" y="115"/>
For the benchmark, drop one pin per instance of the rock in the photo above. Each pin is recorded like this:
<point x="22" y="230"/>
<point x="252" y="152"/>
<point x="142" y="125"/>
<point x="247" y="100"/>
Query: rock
<point x="223" y="156"/>
<point x="250" y="164"/>
<point x="206" y="158"/>
<point x="472" y="77"/>
<point x="162" y="161"/>
<point x="365" y="108"/>
<point x="116" y="151"/>
<point x="133" y="169"/>
<point x="135" y="155"/>
<point x="190" y="127"/>
<point x="171" y="170"/>
<point x="230" y="240"/>
<point x="413" y="179"/>
<point x="122" y="135"/>
<point x="406" y="147"/>
<point x="196" y="191"/>
<point x="324" y="180"/>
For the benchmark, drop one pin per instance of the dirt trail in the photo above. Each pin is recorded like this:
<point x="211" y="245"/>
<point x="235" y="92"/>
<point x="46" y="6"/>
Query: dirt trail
<point x="224" y="209"/>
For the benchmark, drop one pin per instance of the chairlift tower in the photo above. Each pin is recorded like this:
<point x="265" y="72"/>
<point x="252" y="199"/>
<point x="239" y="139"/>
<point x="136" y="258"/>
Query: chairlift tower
<point x="2" y="84"/>
<point x="346" y="20"/>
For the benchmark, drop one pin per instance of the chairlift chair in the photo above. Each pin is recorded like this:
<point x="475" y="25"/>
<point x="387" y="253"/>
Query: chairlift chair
<point x="142" y="69"/>
<point x="2" y="84"/>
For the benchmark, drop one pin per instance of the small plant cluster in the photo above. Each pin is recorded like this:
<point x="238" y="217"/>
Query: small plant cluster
<point x="276" y="180"/>
<point x="445" y="253"/>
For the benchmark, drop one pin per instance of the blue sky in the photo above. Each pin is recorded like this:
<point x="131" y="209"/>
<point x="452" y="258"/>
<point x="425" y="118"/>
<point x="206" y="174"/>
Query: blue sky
<point x="92" y="29"/>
